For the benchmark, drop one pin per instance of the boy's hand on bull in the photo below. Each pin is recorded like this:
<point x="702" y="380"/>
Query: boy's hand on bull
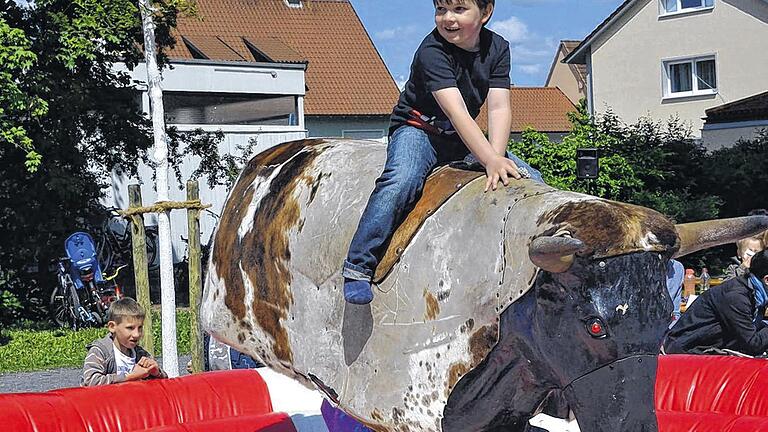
<point x="499" y="169"/>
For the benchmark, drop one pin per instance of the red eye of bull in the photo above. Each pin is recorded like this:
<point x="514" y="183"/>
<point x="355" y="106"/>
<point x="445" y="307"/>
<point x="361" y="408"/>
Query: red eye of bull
<point x="596" y="328"/>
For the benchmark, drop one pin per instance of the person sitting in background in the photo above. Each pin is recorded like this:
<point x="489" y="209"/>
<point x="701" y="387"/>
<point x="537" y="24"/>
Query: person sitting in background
<point x="726" y="317"/>
<point x="745" y="249"/>
<point x="117" y="357"/>
<point x="675" y="274"/>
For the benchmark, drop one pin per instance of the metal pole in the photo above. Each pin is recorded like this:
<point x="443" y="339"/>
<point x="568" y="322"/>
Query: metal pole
<point x="160" y="160"/>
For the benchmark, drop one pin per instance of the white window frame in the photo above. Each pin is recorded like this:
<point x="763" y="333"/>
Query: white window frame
<point x="681" y="10"/>
<point x="695" y="91"/>
<point x="294" y="3"/>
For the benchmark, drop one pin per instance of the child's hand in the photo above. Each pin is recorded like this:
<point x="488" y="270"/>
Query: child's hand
<point x="499" y="169"/>
<point x="138" y="372"/>
<point x="149" y="364"/>
<point x="746" y="261"/>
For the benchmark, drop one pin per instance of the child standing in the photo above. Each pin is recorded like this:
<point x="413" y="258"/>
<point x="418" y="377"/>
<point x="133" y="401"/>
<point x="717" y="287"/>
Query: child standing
<point x="117" y="357"/>
<point x="456" y="68"/>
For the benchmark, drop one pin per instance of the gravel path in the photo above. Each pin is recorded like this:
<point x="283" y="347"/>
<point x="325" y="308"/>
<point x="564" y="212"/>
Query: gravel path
<point x="53" y="379"/>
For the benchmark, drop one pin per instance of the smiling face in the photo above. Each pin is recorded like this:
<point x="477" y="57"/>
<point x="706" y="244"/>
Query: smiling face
<point x="460" y="22"/>
<point x="127" y="333"/>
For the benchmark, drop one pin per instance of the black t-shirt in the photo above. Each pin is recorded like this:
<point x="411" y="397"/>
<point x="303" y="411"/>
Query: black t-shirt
<point x="439" y="64"/>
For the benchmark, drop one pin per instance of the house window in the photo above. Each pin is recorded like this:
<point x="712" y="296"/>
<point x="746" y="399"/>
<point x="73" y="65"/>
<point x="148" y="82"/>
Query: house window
<point x="294" y="3"/>
<point x="690" y="77"/>
<point x="673" y="6"/>
<point x="230" y="109"/>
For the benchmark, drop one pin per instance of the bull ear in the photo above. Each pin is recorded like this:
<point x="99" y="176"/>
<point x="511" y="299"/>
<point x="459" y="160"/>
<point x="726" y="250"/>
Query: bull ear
<point x="554" y="254"/>
<point x="696" y="236"/>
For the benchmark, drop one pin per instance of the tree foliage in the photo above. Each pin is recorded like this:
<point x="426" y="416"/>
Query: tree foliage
<point x="67" y="118"/>
<point x="739" y="175"/>
<point x="16" y="59"/>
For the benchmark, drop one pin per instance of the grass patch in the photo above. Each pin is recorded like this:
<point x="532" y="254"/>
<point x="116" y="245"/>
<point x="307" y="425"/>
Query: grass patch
<point x="29" y="350"/>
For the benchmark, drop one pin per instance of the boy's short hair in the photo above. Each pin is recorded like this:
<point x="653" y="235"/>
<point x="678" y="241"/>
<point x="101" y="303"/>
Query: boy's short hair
<point x="482" y="4"/>
<point x="126" y="307"/>
<point x="759" y="265"/>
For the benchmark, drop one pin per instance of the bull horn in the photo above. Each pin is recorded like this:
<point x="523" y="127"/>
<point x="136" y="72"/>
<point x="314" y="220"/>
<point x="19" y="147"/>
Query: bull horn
<point x="696" y="236"/>
<point x="554" y="254"/>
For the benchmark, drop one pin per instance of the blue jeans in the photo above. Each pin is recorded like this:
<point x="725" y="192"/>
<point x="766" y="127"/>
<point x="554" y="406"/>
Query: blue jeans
<point x="411" y="156"/>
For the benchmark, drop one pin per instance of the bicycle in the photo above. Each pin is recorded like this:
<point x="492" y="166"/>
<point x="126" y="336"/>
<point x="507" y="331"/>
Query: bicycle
<point x="73" y="308"/>
<point x="115" y="247"/>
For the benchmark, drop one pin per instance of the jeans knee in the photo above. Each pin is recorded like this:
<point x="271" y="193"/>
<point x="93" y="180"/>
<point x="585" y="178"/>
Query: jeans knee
<point x="403" y="186"/>
<point x="410" y="184"/>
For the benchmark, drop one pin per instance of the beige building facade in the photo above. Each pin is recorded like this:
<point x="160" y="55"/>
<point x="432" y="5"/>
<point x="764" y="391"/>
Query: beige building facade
<point x="667" y="58"/>
<point x="571" y="79"/>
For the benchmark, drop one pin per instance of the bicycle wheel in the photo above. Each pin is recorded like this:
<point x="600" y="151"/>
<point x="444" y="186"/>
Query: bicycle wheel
<point x="105" y="254"/>
<point x="152" y="249"/>
<point x="60" y="309"/>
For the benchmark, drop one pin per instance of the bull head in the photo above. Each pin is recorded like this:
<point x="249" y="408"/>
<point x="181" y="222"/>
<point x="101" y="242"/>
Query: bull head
<point x="607" y="311"/>
<point x="556" y="254"/>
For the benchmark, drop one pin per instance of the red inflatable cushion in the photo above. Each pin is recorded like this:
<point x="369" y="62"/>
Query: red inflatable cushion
<point x="708" y="422"/>
<point x="696" y="393"/>
<point x="138" y="406"/>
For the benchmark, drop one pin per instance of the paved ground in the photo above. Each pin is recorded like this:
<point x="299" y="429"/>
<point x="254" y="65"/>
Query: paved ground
<point x="53" y="379"/>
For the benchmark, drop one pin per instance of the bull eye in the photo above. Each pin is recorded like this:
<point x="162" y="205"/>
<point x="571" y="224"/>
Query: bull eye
<point x="596" y="328"/>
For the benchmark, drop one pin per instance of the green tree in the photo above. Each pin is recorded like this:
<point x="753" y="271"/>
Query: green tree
<point x="738" y="175"/>
<point x="557" y="160"/>
<point x="16" y="60"/>
<point x="68" y="118"/>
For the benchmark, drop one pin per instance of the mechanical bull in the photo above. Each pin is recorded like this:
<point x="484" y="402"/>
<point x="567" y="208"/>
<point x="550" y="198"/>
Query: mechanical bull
<point x="489" y="308"/>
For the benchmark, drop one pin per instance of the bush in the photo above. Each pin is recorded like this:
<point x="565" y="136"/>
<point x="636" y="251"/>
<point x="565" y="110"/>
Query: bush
<point x="28" y="350"/>
<point x="738" y="175"/>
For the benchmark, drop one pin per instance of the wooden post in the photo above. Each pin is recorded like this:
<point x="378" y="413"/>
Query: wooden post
<point x="140" y="269"/>
<point x="195" y="280"/>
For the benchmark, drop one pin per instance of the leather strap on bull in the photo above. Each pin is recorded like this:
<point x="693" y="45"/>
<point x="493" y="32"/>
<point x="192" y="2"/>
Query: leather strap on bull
<point x="439" y="187"/>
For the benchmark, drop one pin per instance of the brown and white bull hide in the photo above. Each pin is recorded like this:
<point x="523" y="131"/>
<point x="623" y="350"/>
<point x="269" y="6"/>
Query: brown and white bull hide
<point x="274" y="286"/>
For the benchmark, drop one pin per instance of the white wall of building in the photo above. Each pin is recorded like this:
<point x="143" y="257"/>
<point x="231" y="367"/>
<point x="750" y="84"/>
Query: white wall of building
<point x="716" y="136"/>
<point x="216" y="77"/>
<point x="626" y="63"/>
<point x="374" y="127"/>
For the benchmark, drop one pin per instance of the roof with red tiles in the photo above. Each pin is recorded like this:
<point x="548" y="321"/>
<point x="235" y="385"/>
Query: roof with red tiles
<point x="345" y="73"/>
<point x="545" y="109"/>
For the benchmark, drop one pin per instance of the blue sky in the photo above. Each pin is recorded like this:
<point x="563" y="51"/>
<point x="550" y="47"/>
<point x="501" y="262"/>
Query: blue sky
<point x="533" y="28"/>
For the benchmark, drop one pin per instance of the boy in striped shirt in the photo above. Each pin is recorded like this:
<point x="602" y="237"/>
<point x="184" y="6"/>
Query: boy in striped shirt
<point x="117" y="357"/>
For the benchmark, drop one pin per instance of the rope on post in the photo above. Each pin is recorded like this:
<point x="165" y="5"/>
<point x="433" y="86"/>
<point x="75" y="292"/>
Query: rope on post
<point x="164" y="206"/>
<point x="134" y="214"/>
